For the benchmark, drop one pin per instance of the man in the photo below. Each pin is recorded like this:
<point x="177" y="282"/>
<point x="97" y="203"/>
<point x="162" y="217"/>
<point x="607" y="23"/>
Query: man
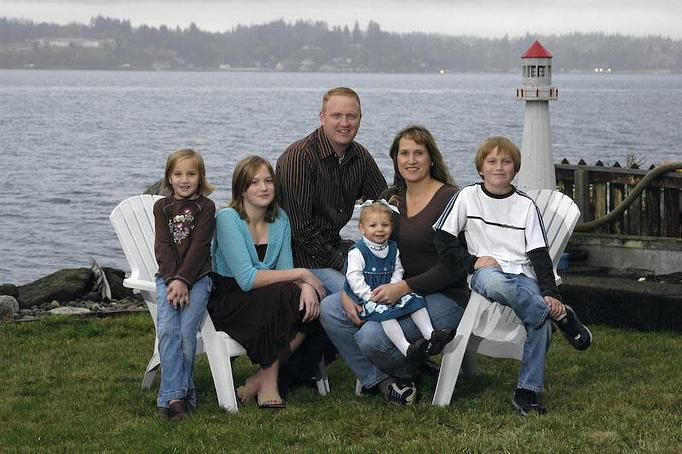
<point x="320" y="177"/>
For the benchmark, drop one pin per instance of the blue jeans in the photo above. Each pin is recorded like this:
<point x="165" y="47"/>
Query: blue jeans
<point x="331" y="279"/>
<point x="522" y="294"/>
<point x="367" y="350"/>
<point x="177" y="332"/>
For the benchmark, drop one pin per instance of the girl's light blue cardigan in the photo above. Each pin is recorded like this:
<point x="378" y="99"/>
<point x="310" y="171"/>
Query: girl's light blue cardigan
<point x="234" y="254"/>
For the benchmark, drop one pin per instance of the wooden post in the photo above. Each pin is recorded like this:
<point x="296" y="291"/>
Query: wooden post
<point x="582" y="194"/>
<point x="671" y="212"/>
<point x="634" y="216"/>
<point x="600" y="203"/>
<point x="616" y="198"/>
<point x="653" y="211"/>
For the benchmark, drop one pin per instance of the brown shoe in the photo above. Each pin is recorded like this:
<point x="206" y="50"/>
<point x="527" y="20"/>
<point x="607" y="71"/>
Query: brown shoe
<point x="177" y="410"/>
<point x="162" y="414"/>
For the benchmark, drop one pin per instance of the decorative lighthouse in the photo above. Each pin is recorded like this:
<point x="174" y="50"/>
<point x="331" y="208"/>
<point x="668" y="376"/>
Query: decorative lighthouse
<point x="537" y="163"/>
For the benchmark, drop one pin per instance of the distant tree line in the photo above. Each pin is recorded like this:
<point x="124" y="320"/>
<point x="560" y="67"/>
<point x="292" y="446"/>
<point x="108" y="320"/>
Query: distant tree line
<point x="108" y="43"/>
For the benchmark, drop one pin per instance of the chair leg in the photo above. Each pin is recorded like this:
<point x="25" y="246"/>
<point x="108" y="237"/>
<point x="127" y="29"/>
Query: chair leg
<point x="218" y="355"/>
<point x="358" y="388"/>
<point x="454" y="354"/>
<point x="150" y="372"/>
<point x="323" y="380"/>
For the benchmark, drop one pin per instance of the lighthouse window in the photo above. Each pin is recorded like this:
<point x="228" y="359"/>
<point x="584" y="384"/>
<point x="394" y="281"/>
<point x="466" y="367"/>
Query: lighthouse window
<point x="532" y="71"/>
<point x="541" y="71"/>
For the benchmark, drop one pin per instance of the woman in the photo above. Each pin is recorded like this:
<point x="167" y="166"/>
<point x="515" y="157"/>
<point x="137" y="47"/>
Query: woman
<point x="260" y="300"/>
<point x="421" y="189"/>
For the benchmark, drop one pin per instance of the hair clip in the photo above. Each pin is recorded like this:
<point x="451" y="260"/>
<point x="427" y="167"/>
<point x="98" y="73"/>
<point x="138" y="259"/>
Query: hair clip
<point x="382" y="202"/>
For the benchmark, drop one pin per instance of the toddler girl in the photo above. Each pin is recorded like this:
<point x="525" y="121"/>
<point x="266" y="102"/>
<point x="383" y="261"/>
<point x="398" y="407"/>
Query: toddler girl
<point x="375" y="260"/>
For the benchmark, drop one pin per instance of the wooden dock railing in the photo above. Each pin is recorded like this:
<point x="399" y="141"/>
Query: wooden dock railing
<point x="652" y="209"/>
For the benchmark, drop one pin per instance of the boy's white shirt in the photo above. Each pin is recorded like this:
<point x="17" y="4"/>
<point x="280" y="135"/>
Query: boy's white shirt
<point x="356" y="265"/>
<point x="505" y="229"/>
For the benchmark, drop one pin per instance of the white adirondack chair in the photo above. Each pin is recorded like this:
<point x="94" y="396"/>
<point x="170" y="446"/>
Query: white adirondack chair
<point x="133" y="221"/>
<point x="491" y="328"/>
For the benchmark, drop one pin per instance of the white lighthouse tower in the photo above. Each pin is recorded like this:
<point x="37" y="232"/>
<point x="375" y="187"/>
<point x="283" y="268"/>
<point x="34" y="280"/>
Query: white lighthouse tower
<point x="537" y="163"/>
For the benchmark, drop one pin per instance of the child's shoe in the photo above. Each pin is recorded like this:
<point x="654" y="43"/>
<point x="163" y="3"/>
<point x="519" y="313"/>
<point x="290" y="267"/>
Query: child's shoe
<point x="177" y="410"/>
<point x="526" y="401"/>
<point x="439" y="339"/>
<point x="417" y="353"/>
<point x="162" y="414"/>
<point x="576" y="333"/>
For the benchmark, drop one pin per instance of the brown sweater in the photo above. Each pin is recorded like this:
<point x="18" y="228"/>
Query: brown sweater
<point x="184" y="230"/>
<point x="425" y="272"/>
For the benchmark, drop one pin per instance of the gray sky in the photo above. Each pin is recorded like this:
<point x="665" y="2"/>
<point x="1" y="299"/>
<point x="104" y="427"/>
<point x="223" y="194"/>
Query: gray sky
<point x="489" y="18"/>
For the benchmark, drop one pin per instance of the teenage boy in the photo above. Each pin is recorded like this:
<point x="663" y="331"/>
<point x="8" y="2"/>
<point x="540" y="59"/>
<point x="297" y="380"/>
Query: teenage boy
<point x="507" y="257"/>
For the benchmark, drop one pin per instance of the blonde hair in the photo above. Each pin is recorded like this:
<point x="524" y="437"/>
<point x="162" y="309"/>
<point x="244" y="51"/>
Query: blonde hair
<point x="504" y="147"/>
<point x="375" y="207"/>
<point x="340" y="91"/>
<point x="205" y="187"/>
<point x="243" y="174"/>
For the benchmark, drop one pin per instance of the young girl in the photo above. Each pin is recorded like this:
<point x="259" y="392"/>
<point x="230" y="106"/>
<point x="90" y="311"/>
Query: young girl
<point x="260" y="299"/>
<point x="375" y="260"/>
<point x="184" y="224"/>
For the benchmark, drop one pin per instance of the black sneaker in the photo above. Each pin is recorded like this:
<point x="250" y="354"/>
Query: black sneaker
<point x="439" y="339"/>
<point x="399" y="393"/>
<point x="575" y="332"/>
<point x="417" y="353"/>
<point x="430" y="368"/>
<point x="526" y="401"/>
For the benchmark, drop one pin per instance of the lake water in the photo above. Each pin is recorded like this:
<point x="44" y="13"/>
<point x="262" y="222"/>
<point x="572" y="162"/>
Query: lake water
<point x="75" y="143"/>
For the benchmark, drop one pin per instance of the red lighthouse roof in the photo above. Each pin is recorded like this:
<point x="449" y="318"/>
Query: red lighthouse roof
<point x="536" y="51"/>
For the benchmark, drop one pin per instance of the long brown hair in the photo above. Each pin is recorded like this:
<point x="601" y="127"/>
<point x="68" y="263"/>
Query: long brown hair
<point x="421" y="136"/>
<point x="243" y="174"/>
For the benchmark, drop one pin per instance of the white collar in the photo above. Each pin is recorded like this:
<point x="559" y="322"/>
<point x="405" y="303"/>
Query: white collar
<point x="375" y="246"/>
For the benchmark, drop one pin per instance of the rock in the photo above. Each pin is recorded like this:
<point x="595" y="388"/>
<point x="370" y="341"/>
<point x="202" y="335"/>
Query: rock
<point x="115" y="278"/>
<point x="155" y="189"/>
<point x="64" y="285"/>
<point x="9" y="289"/>
<point x="54" y="304"/>
<point x="68" y="310"/>
<point x="8" y="307"/>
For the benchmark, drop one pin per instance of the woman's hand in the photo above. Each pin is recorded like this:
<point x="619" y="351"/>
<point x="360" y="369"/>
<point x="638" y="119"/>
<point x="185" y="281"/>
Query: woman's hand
<point x="309" y="278"/>
<point x="390" y="293"/>
<point x="309" y="302"/>
<point x="351" y="309"/>
<point x="488" y="261"/>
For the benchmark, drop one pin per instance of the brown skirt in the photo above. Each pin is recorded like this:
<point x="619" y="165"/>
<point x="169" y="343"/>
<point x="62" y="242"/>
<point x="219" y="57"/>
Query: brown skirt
<point x="263" y="320"/>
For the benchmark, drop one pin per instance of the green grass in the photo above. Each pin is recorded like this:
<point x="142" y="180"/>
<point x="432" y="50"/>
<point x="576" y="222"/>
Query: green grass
<point x="70" y="384"/>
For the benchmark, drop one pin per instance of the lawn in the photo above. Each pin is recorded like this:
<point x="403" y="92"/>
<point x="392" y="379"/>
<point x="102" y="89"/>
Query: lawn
<point x="72" y="384"/>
